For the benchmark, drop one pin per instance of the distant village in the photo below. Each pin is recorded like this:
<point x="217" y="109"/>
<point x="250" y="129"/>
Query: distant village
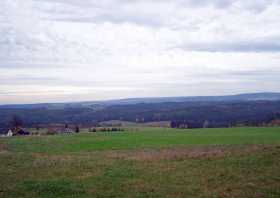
<point x="17" y="127"/>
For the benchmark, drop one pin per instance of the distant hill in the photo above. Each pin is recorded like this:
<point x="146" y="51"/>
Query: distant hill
<point x="239" y="97"/>
<point x="266" y="96"/>
<point x="195" y="112"/>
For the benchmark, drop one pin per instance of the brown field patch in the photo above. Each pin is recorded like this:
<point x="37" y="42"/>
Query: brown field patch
<point x="3" y="148"/>
<point x="176" y="153"/>
<point x="203" y="152"/>
<point x="52" y="160"/>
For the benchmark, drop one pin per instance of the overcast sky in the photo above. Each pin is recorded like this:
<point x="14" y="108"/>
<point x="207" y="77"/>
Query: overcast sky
<point x="79" y="50"/>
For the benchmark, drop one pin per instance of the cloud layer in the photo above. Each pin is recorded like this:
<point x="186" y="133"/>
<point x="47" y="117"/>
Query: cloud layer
<point x="85" y="50"/>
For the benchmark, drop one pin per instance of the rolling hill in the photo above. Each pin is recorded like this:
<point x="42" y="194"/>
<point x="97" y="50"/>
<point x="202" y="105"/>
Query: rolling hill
<point x="266" y="96"/>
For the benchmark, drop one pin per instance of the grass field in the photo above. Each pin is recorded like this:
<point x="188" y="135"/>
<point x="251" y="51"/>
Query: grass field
<point x="149" y="162"/>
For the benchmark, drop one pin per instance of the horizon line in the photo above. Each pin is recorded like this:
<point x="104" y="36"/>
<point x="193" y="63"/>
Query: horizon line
<point x="135" y="98"/>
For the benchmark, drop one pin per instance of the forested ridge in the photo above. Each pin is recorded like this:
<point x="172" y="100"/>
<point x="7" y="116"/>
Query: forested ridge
<point x="217" y="114"/>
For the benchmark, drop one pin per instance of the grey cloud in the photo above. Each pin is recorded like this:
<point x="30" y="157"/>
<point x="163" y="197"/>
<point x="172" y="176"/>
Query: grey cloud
<point x="203" y="3"/>
<point x="32" y="93"/>
<point x="257" y="45"/>
<point x="255" y="73"/>
<point x="47" y="81"/>
<point x="258" y="6"/>
<point x="130" y="11"/>
<point x="107" y="11"/>
<point x="28" y="80"/>
<point x="265" y="75"/>
<point x="117" y="19"/>
<point x="122" y="11"/>
<point x="250" y="5"/>
<point x="268" y="74"/>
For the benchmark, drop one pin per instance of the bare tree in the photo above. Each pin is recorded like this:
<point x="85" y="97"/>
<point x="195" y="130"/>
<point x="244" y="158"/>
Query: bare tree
<point x="77" y="129"/>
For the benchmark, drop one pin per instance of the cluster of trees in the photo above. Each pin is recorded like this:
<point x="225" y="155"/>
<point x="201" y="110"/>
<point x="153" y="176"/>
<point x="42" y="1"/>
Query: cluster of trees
<point x="103" y="129"/>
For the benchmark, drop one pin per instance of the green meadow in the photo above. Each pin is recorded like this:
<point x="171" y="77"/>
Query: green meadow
<point x="143" y="162"/>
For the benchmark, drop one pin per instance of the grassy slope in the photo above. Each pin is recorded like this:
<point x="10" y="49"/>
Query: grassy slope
<point x="85" y="166"/>
<point x="145" y="138"/>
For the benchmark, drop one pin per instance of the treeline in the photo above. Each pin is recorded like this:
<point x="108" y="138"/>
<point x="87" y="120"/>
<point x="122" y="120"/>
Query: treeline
<point x="193" y="114"/>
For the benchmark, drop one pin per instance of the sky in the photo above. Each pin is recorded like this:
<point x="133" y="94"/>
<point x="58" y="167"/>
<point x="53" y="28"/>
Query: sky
<point x="72" y="50"/>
